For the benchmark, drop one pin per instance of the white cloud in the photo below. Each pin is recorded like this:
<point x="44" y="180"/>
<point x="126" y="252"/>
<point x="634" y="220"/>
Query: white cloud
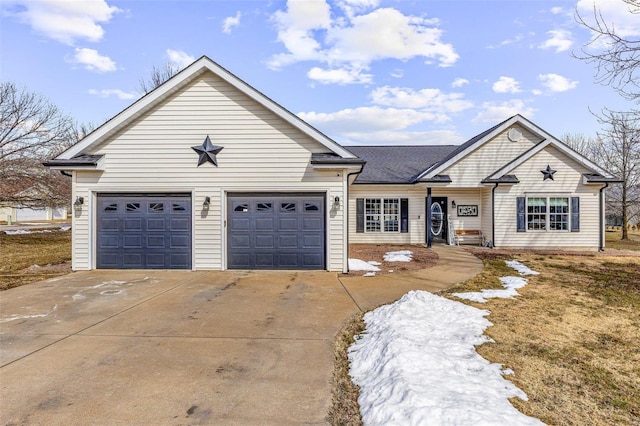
<point x="557" y="10"/>
<point x="229" y="22"/>
<point x="495" y="112"/>
<point x="92" y="60"/>
<point x="615" y="13"/>
<point x="397" y="73"/>
<point x="120" y="94"/>
<point x="339" y="76"/>
<point x="366" y="119"/>
<point x="309" y="33"/>
<point x="506" y="42"/>
<point x="179" y="58"/>
<point x="459" y="82"/>
<point x="557" y="83"/>
<point x="560" y="40"/>
<point x="433" y="100"/>
<point x="67" y="21"/>
<point x="506" y="85"/>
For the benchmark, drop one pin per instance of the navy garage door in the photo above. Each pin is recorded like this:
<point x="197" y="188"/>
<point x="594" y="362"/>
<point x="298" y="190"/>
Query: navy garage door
<point x="276" y="231"/>
<point x="144" y="231"/>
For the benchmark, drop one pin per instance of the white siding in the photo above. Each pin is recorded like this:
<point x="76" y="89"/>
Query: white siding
<point x="487" y="215"/>
<point x="413" y="193"/>
<point x="261" y="152"/>
<point x="489" y="158"/>
<point x="567" y="181"/>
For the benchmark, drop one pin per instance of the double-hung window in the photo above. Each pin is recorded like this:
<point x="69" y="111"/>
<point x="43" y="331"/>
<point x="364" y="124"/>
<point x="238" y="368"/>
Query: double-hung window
<point x="548" y="213"/>
<point x="382" y="214"/>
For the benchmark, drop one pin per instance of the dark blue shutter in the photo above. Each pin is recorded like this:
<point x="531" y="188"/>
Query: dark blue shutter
<point x="575" y="214"/>
<point x="522" y="217"/>
<point x="360" y="215"/>
<point x="404" y="215"/>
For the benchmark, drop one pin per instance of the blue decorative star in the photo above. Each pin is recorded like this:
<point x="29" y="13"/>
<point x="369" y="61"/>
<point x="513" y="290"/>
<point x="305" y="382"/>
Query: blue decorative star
<point x="207" y="152"/>
<point x="548" y="173"/>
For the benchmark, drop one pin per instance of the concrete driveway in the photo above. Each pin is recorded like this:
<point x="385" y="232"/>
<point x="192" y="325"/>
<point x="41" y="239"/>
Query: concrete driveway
<point x="180" y="347"/>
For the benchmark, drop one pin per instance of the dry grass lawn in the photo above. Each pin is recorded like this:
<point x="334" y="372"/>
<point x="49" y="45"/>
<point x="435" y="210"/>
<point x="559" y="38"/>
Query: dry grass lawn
<point x="19" y="255"/>
<point x="571" y="337"/>
<point x="613" y="241"/>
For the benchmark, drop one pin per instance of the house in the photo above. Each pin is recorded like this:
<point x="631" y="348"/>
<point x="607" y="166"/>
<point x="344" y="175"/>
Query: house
<point x="19" y="213"/>
<point x="206" y="172"/>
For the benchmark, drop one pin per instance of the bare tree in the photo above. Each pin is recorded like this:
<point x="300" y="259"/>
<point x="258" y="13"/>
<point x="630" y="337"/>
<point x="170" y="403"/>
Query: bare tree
<point x="617" y="58"/>
<point x="31" y="131"/>
<point x="581" y="143"/>
<point x="158" y="76"/>
<point x="619" y="153"/>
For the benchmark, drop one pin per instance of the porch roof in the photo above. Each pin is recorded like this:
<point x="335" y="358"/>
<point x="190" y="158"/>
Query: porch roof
<point x="398" y="164"/>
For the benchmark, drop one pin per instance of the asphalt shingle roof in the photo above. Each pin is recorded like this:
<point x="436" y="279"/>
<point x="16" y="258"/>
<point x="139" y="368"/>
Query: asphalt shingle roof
<point x="398" y="163"/>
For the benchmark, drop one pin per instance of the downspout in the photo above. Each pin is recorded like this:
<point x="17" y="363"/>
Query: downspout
<point x="428" y="224"/>
<point x="601" y="248"/>
<point x="346" y="212"/>
<point x="493" y="215"/>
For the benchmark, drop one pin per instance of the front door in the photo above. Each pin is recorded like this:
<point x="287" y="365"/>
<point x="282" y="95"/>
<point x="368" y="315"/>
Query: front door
<point x="438" y="225"/>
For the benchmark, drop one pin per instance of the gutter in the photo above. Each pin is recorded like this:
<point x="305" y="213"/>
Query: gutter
<point x="601" y="248"/>
<point x="346" y="212"/>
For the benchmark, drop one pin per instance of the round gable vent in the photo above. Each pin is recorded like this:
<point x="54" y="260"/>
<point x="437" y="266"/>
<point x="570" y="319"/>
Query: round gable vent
<point x="514" y="134"/>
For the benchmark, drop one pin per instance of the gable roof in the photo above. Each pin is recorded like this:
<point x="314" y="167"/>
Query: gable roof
<point x="181" y="79"/>
<point x="398" y="164"/>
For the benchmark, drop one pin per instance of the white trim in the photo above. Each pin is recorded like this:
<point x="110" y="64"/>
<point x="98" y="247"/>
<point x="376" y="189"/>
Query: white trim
<point x="196" y="68"/>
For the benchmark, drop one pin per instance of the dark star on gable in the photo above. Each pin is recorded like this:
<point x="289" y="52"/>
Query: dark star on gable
<point x="207" y="152"/>
<point x="548" y="173"/>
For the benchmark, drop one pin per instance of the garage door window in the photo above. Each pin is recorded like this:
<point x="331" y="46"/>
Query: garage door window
<point x="240" y="207"/>
<point x="156" y="207"/>
<point x="288" y="207"/>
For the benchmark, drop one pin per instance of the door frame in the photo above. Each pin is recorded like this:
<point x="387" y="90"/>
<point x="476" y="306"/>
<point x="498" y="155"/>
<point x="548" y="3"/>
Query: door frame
<point x="443" y="201"/>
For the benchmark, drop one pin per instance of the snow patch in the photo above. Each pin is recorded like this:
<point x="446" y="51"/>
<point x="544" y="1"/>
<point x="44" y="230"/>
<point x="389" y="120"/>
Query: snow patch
<point x="361" y="265"/>
<point x="398" y="256"/>
<point x="18" y="317"/>
<point x="416" y="364"/>
<point x="369" y="274"/>
<point x="510" y="284"/>
<point x="522" y="269"/>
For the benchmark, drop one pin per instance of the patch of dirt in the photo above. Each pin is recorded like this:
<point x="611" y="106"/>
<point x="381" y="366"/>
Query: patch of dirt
<point x="423" y="257"/>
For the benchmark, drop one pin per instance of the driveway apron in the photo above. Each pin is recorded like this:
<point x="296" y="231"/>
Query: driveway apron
<point x="179" y="347"/>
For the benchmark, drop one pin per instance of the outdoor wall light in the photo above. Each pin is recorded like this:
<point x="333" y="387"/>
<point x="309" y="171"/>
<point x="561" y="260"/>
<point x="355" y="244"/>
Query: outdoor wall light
<point x="206" y="202"/>
<point x="336" y="202"/>
<point x="78" y="203"/>
<point x="453" y="204"/>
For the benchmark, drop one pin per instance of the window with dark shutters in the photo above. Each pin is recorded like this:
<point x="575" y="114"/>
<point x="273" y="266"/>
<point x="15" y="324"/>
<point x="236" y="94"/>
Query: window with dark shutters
<point x="404" y="215"/>
<point x="575" y="214"/>
<point x="360" y="215"/>
<point x="522" y="219"/>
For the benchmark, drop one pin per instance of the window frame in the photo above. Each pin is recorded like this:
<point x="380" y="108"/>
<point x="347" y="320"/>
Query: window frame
<point x="547" y="218"/>
<point x="383" y="215"/>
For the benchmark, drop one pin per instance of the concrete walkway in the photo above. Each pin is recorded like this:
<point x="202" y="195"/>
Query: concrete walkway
<point x="180" y="347"/>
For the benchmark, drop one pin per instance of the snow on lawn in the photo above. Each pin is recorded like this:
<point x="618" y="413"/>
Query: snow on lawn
<point x="416" y="364"/>
<point x="398" y="256"/>
<point x="361" y="265"/>
<point x="42" y="231"/>
<point x="510" y="284"/>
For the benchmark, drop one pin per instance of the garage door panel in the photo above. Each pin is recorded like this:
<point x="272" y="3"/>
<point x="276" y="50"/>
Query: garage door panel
<point x="276" y="231"/>
<point x="155" y="241"/>
<point x="288" y="224"/>
<point x="156" y="224"/>
<point x="240" y="241"/>
<point x="264" y="224"/>
<point x="108" y="224"/>
<point x="144" y="231"/>
<point x="180" y="241"/>
<point x="132" y="224"/>
<point x="288" y="241"/>
<point x="264" y="241"/>
<point x="265" y="260"/>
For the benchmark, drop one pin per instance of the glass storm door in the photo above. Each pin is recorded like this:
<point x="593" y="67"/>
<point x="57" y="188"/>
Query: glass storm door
<point x="437" y="220"/>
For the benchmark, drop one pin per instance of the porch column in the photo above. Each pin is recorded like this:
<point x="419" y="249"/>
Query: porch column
<point x="428" y="227"/>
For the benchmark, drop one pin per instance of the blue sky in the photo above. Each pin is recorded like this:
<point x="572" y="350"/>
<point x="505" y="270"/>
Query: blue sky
<point x="362" y="71"/>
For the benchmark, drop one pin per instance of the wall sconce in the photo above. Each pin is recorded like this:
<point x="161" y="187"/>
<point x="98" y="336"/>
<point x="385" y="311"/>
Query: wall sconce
<point x="336" y="202"/>
<point x="453" y="204"/>
<point x="77" y="205"/>
<point x="206" y="202"/>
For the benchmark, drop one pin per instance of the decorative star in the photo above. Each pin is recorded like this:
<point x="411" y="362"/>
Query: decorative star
<point x="548" y="173"/>
<point x="207" y="152"/>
